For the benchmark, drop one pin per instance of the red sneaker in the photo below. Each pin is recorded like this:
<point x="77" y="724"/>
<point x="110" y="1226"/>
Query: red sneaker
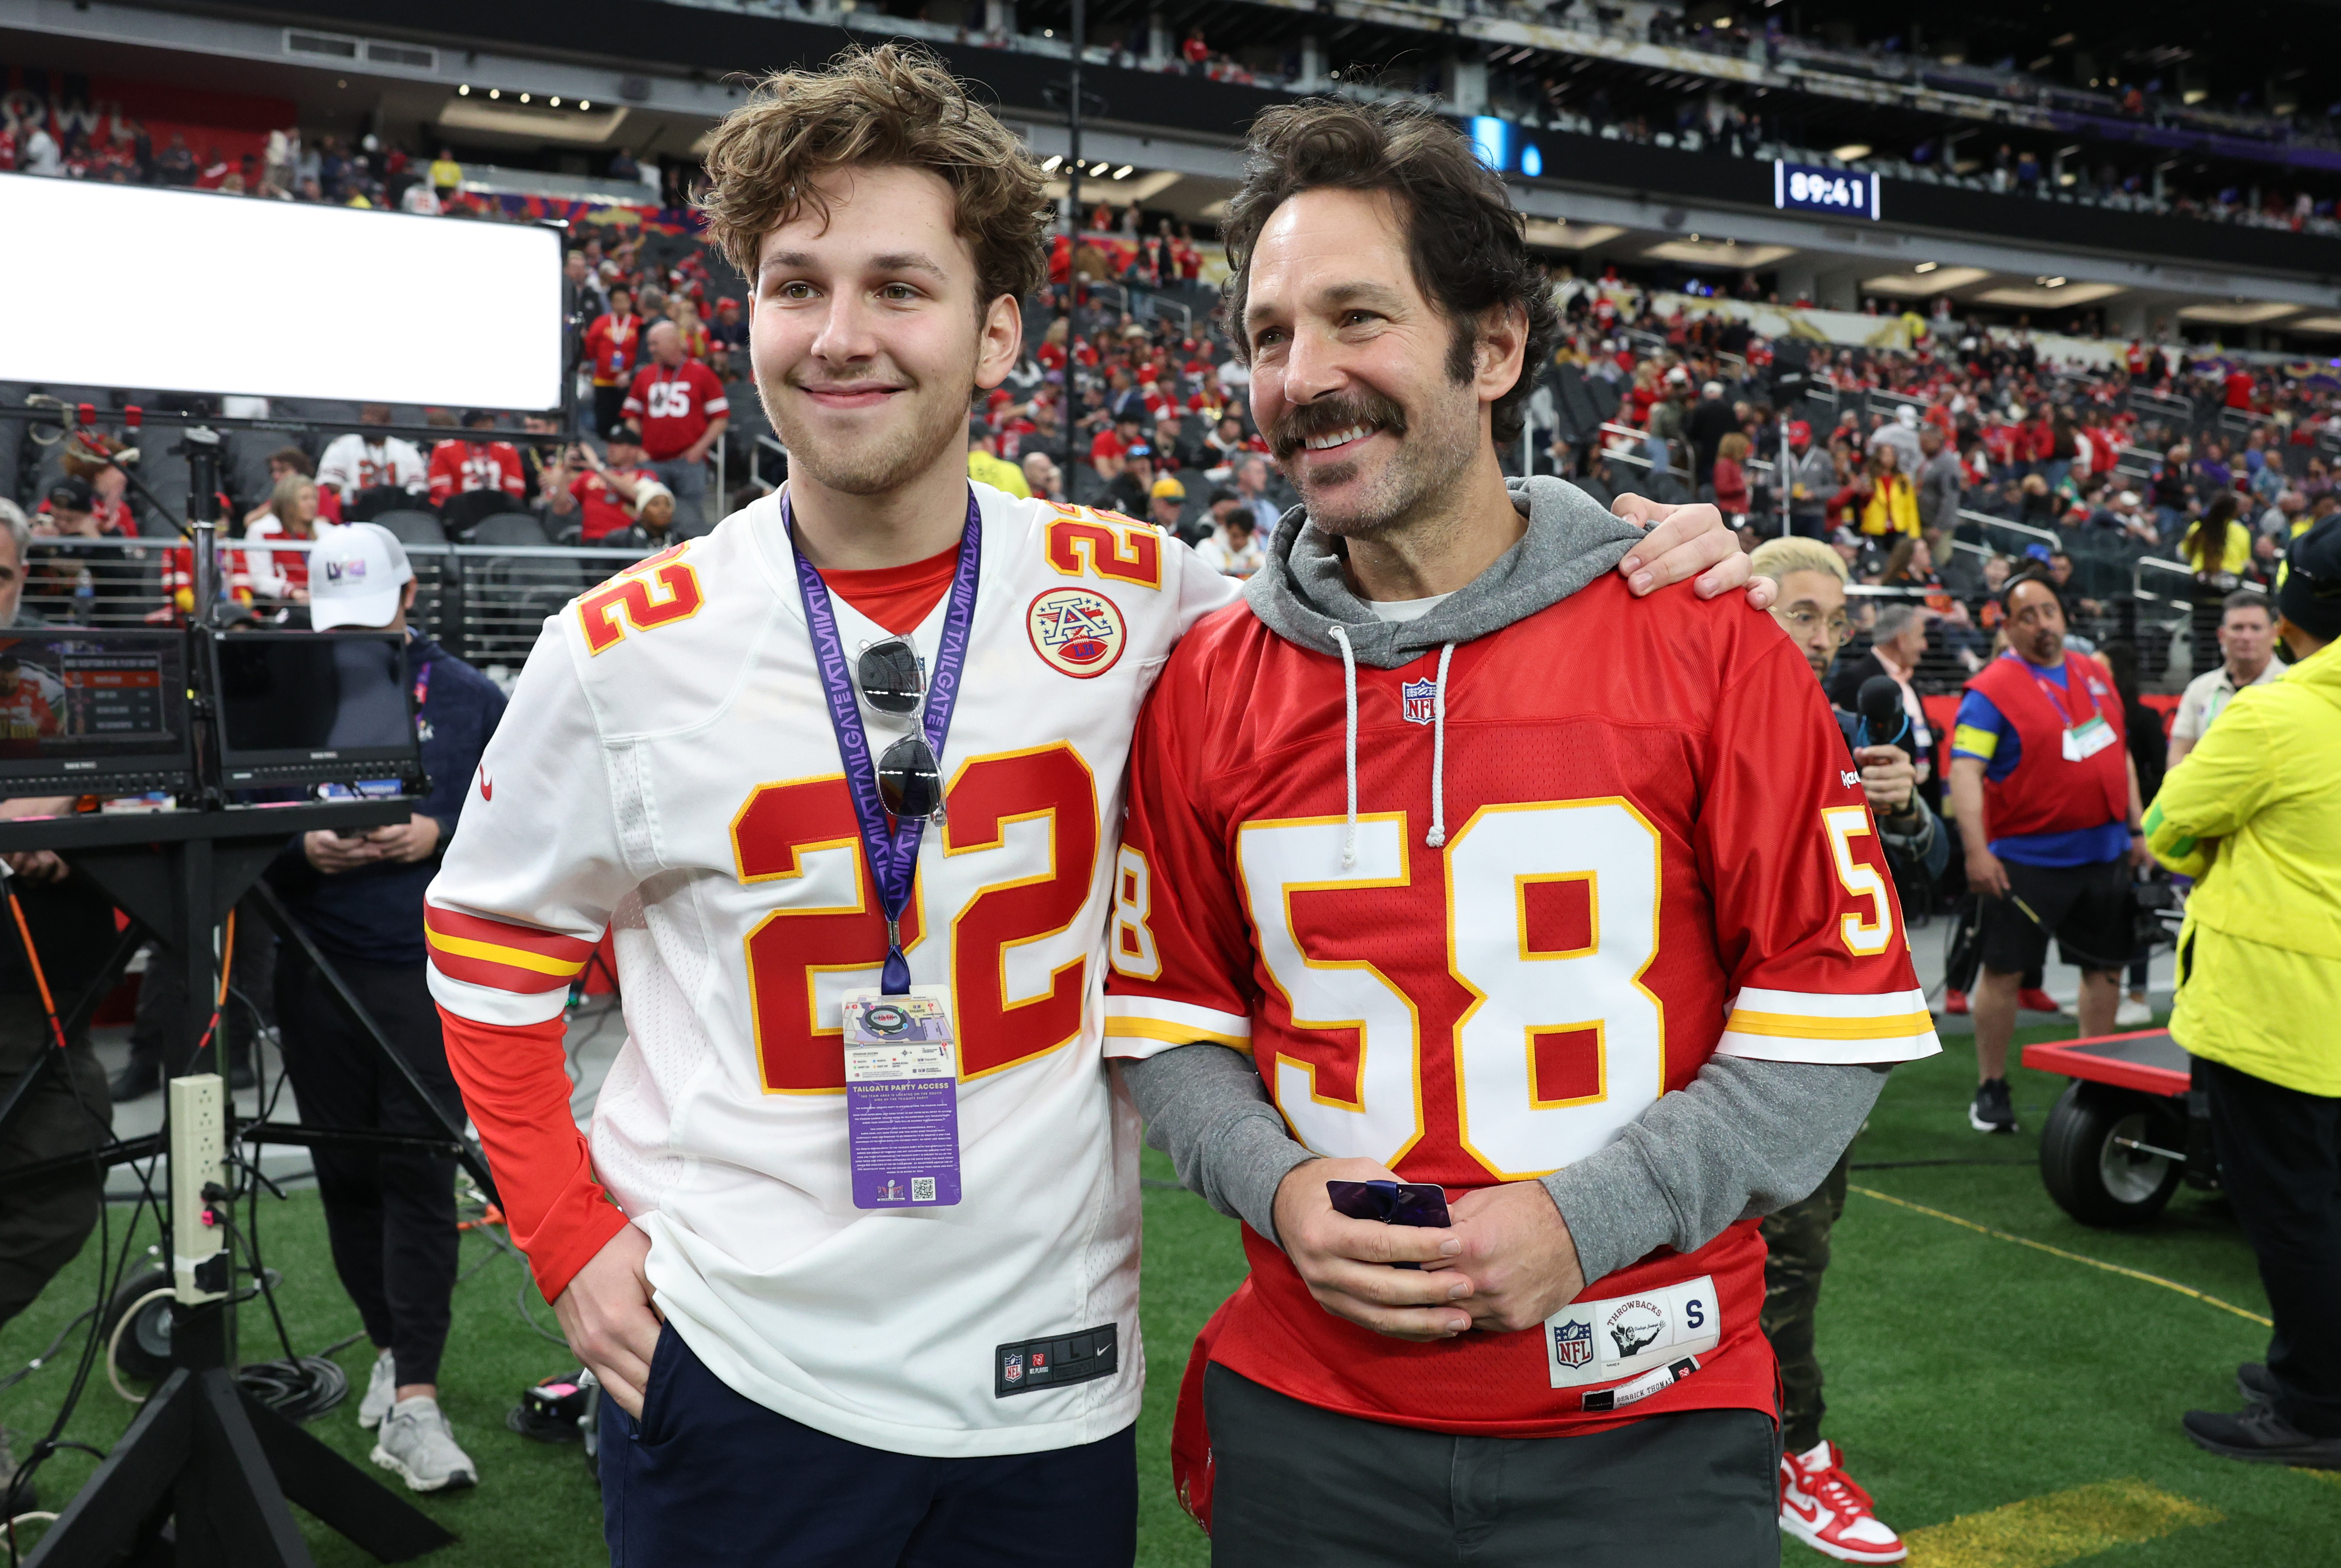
<point x="2033" y="1000"/>
<point x="1955" y="1003"/>
<point x="1821" y="1506"/>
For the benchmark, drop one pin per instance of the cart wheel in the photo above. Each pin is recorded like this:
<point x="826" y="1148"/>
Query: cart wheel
<point x="2088" y="1169"/>
<point x="143" y="1351"/>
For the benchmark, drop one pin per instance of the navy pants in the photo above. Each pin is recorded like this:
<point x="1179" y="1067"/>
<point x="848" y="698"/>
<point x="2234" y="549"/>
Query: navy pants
<point x="708" y="1478"/>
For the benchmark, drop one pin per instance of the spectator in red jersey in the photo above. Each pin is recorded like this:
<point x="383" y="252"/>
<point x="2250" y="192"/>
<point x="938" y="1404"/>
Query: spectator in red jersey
<point x="277" y="537"/>
<point x="613" y="346"/>
<point x="476" y="462"/>
<point x="2241" y="388"/>
<point x="679" y="407"/>
<point x="1186" y="257"/>
<point x="602" y="498"/>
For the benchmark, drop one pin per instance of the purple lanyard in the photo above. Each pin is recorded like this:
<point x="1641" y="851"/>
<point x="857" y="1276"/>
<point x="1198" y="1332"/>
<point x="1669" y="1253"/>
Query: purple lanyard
<point x="892" y="846"/>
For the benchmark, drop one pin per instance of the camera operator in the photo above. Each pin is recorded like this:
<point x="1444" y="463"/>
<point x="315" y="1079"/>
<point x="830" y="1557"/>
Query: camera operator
<point x="390" y="1213"/>
<point x="1818" y="1503"/>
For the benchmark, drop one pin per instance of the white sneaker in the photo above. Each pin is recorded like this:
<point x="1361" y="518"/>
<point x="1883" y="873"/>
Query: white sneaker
<point x="1821" y="1506"/>
<point x="2133" y="1014"/>
<point x="416" y="1441"/>
<point x="381" y="1392"/>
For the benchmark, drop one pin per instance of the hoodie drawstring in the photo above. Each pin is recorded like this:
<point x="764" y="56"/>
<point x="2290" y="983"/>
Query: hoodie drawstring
<point x="1437" y="838"/>
<point x="1349" y="745"/>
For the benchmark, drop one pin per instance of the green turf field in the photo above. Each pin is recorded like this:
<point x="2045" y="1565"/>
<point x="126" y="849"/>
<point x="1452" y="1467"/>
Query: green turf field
<point x="2009" y="1408"/>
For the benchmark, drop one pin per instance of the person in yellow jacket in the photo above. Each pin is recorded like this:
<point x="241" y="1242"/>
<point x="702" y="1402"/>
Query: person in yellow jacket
<point x="2254" y="813"/>
<point x="988" y="467"/>
<point x="1885" y="500"/>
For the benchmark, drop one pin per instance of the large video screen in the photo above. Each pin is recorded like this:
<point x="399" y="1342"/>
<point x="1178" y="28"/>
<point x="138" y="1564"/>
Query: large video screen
<point x="92" y="711"/>
<point x="191" y="290"/>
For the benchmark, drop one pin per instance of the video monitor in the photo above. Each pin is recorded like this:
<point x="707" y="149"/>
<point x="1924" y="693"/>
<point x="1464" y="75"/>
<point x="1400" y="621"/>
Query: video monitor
<point x="307" y="708"/>
<point x="91" y="712"/>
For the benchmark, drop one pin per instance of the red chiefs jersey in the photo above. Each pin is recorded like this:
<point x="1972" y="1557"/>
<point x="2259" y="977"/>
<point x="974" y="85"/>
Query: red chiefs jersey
<point x="600" y="511"/>
<point x="1654" y="850"/>
<point x="673" y="404"/>
<point x="458" y="466"/>
<point x="612" y="344"/>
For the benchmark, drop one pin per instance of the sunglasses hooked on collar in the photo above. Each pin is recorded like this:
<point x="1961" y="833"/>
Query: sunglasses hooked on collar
<point x="910" y="779"/>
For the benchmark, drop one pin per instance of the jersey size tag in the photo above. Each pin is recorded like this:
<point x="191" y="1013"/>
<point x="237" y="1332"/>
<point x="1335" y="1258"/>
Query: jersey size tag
<point x="2087" y="738"/>
<point x="1589" y="1341"/>
<point x="1054" y="1363"/>
<point x="902" y="1098"/>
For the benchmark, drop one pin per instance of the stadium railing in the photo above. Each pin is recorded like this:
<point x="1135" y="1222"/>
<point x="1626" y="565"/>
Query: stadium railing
<point x="485" y="603"/>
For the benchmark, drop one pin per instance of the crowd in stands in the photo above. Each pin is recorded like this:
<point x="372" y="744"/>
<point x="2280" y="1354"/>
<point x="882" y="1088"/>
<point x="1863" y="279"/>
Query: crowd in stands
<point x="1935" y="473"/>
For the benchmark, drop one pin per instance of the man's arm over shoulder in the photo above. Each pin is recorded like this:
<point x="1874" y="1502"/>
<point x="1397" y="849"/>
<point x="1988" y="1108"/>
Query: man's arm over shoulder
<point x="524" y="895"/>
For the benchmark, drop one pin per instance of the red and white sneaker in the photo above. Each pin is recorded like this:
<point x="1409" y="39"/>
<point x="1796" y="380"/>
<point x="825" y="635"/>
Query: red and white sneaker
<point x="1821" y="1506"/>
<point x="1954" y="1002"/>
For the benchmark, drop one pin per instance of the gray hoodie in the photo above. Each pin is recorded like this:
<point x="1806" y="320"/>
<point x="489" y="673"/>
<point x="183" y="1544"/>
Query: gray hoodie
<point x="1744" y="1138"/>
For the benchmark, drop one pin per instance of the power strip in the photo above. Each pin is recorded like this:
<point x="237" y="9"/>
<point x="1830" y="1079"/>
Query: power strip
<point x="199" y="1262"/>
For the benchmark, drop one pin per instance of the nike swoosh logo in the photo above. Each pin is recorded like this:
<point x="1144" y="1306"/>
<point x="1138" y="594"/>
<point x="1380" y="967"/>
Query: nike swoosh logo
<point x="487" y="785"/>
<point x="1809" y="1514"/>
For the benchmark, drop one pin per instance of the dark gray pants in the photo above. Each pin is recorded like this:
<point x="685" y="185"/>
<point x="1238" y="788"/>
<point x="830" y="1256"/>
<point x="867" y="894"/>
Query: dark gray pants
<point x="1295" y="1487"/>
<point x="43" y="1221"/>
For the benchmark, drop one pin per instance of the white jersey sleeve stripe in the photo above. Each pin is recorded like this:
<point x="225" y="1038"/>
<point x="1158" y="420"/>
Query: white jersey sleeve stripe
<point x="1829" y="1004"/>
<point x="487" y="1005"/>
<point x="1139" y="1027"/>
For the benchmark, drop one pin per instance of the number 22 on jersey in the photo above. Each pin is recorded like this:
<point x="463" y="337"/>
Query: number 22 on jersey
<point x="1046" y="791"/>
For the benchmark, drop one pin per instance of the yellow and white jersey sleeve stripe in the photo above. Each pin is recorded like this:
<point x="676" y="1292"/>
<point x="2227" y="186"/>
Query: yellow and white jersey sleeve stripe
<point x="1140" y="1027"/>
<point x="1824" y="1027"/>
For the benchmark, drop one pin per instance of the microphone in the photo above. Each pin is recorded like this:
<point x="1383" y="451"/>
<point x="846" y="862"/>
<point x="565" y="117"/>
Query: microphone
<point x="1884" y="720"/>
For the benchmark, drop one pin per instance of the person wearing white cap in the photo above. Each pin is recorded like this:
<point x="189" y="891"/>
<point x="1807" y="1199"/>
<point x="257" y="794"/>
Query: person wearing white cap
<point x="1901" y="433"/>
<point x="390" y="1213"/>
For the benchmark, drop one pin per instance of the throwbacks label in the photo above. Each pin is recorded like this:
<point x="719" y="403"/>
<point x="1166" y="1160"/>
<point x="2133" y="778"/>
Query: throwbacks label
<point x="1589" y="1341"/>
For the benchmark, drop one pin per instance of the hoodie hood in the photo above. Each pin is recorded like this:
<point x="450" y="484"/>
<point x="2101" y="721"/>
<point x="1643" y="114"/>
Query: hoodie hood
<point x="1301" y="594"/>
<point x="1302" y="597"/>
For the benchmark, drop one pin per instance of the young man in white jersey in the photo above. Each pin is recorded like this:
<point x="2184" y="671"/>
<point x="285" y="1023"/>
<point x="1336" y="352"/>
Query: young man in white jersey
<point x="894" y="1320"/>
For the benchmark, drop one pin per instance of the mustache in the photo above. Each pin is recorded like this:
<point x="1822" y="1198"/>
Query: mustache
<point x="1306" y="421"/>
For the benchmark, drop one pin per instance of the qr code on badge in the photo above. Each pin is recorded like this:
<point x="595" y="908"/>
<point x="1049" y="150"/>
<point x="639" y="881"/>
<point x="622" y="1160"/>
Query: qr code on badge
<point x="922" y="1189"/>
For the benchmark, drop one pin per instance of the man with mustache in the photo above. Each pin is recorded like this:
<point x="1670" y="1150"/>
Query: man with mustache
<point x="828" y="1331"/>
<point x="1572" y="928"/>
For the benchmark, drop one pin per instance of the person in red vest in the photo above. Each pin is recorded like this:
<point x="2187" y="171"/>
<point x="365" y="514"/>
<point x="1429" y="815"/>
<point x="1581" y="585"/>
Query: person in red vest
<point x="2047" y="803"/>
<point x="613" y="344"/>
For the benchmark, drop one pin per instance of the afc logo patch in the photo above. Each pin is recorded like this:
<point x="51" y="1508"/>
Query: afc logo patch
<point x="1076" y="632"/>
<point x="1572" y="1343"/>
<point x="1415" y="700"/>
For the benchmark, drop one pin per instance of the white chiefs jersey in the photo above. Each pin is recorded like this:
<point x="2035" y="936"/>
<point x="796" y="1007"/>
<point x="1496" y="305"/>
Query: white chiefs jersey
<point x="667" y="770"/>
<point x="352" y="464"/>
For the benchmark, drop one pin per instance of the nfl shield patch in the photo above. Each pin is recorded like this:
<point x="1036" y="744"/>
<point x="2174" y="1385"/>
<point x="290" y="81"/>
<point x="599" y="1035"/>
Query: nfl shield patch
<point x="1415" y="699"/>
<point x="1012" y="1366"/>
<point x="1572" y="1343"/>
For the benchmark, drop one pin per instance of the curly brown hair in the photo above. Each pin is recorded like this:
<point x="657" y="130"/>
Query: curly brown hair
<point x="1465" y="240"/>
<point x="894" y="104"/>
